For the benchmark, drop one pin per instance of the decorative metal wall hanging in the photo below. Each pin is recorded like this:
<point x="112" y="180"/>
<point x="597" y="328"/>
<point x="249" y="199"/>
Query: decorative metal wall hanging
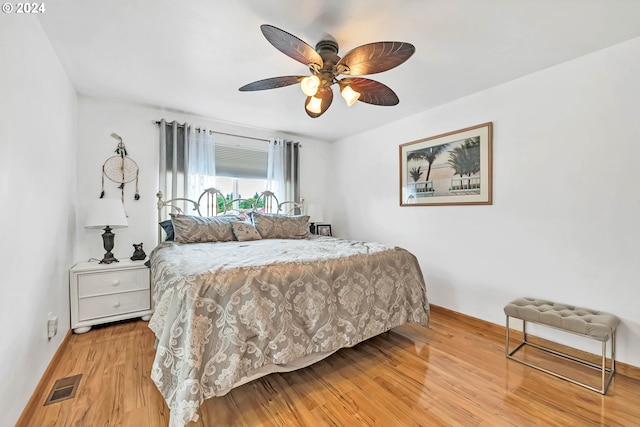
<point x="120" y="169"/>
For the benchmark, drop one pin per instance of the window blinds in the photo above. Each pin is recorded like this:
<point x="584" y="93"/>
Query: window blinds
<point x="235" y="156"/>
<point x="241" y="162"/>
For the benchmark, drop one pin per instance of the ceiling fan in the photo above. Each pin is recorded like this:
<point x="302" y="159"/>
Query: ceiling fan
<point x="325" y="66"/>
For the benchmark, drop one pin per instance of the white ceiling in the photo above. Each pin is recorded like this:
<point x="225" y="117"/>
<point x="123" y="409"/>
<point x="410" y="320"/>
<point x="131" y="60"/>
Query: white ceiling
<point x="192" y="56"/>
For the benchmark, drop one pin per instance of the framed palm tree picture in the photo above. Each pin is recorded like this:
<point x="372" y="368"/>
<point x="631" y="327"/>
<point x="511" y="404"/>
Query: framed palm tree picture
<point x="449" y="169"/>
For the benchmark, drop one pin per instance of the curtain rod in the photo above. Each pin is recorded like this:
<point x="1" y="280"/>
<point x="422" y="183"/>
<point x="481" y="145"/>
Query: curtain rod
<point x="157" y="122"/>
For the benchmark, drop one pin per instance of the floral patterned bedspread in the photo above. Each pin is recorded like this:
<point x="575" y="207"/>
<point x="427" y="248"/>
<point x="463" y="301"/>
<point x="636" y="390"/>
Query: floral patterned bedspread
<point x="225" y="310"/>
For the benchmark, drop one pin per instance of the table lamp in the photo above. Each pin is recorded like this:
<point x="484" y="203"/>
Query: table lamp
<point x="107" y="214"/>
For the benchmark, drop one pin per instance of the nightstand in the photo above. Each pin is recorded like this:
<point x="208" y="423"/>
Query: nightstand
<point x="102" y="293"/>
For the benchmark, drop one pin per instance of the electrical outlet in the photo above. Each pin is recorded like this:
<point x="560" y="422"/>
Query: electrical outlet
<point x="52" y="326"/>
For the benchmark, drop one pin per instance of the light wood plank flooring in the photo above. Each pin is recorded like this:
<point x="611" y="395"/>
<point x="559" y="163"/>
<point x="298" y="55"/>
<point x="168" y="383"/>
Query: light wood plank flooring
<point x="451" y="374"/>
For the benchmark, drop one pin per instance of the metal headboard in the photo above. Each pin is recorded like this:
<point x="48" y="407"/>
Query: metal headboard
<point x="209" y="202"/>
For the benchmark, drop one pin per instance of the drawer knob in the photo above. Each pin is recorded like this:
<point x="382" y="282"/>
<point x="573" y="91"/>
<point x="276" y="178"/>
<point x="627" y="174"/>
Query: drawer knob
<point x="116" y="304"/>
<point x="115" y="282"/>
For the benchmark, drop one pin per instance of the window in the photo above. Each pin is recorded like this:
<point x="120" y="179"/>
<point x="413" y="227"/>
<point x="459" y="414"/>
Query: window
<point x="241" y="171"/>
<point x="241" y="164"/>
<point x="241" y="168"/>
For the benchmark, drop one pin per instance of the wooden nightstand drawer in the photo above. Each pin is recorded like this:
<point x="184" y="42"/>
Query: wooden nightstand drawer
<point x="114" y="304"/>
<point x="93" y="284"/>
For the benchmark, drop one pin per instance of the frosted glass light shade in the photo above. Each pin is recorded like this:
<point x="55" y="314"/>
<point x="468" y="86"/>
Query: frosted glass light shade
<point x="310" y="85"/>
<point x="349" y="95"/>
<point x="106" y="212"/>
<point x="314" y="105"/>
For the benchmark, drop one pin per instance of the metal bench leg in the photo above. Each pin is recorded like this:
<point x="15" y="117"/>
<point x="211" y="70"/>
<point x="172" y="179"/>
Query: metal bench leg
<point x="604" y="366"/>
<point x="605" y="379"/>
<point x="508" y="352"/>
<point x="507" y="347"/>
<point x="613" y="361"/>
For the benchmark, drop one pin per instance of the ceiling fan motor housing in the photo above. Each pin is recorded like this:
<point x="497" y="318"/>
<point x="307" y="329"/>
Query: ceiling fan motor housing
<point x="330" y="45"/>
<point x="328" y="51"/>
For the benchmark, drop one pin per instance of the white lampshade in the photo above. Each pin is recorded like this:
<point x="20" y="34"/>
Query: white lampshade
<point x="315" y="213"/>
<point x="310" y="85"/>
<point x="314" y="105"/>
<point x="349" y="95"/>
<point x="106" y="212"/>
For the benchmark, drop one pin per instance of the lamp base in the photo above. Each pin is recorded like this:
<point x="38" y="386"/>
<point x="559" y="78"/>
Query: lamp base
<point x="312" y="227"/>
<point x="107" y="241"/>
<point x="108" y="258"/>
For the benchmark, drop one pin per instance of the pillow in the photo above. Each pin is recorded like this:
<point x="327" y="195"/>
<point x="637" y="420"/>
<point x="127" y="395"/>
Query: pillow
<point x="167" y="226"/>
<point x="244" y="231"/>
<point x="195" y="229"/>
<point x="272" y="226"/>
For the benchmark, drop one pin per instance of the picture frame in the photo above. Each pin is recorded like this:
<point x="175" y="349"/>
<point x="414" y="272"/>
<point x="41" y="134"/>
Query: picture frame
<point x="323" y="230"/>
<point x="453" y="168"/>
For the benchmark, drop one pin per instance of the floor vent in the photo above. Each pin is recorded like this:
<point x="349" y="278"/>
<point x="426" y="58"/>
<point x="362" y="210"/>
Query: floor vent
<point x="63" y="389"/>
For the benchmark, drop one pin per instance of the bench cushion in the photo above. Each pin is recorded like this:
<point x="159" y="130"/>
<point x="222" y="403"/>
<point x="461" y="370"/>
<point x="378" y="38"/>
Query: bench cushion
<point x="595" y="324"/>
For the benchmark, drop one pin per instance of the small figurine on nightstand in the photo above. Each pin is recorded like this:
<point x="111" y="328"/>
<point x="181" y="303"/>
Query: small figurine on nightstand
<point x="138" y="253"/>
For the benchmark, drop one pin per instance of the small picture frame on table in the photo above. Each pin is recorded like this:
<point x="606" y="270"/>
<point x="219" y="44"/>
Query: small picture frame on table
<point x="323" y="230"/>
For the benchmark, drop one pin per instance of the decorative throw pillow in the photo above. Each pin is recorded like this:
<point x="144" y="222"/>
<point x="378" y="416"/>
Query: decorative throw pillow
<point x="167" y="226"/>
<point x="272" y="226"/>
<point x="195" y="229"/>
<point x="245" y="231"/>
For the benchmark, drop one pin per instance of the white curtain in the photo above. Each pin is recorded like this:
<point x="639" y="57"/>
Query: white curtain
<point x="276" y="177"/>
<point x="201" y="161"/>
<point x="187" y="160"/>
<point x="283" y="169"/>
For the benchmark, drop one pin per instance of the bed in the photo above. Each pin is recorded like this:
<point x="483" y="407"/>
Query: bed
<point x="234" y="305"/>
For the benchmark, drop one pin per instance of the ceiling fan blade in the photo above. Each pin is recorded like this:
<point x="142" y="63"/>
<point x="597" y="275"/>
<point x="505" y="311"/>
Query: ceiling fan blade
<point x="291" y="46"/>
<point x="377" y="57"/>
<point x="272" y="83"/>
<point x="373" y="92"/>
<point x="326" y="95"/>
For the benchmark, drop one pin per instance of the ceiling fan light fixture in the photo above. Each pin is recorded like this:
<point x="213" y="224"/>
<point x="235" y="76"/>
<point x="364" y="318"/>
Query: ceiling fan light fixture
<point x="349" y="95"/>
<point x="314" y="105"/>
<point x="310" y="85"/>
<point x="325" y="67"/>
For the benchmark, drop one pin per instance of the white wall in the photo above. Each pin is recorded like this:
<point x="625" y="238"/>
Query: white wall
<point x="98" y="118"/>
<point x="564" y="221"/>
<point x="37" y="190"/>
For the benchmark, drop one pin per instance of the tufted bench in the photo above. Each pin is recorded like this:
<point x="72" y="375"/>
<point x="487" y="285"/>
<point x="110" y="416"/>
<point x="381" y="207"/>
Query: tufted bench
<point x="589" y="323"/>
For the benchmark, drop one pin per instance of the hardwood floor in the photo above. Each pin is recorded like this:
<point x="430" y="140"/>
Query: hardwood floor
<point x="452" y="374"/>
